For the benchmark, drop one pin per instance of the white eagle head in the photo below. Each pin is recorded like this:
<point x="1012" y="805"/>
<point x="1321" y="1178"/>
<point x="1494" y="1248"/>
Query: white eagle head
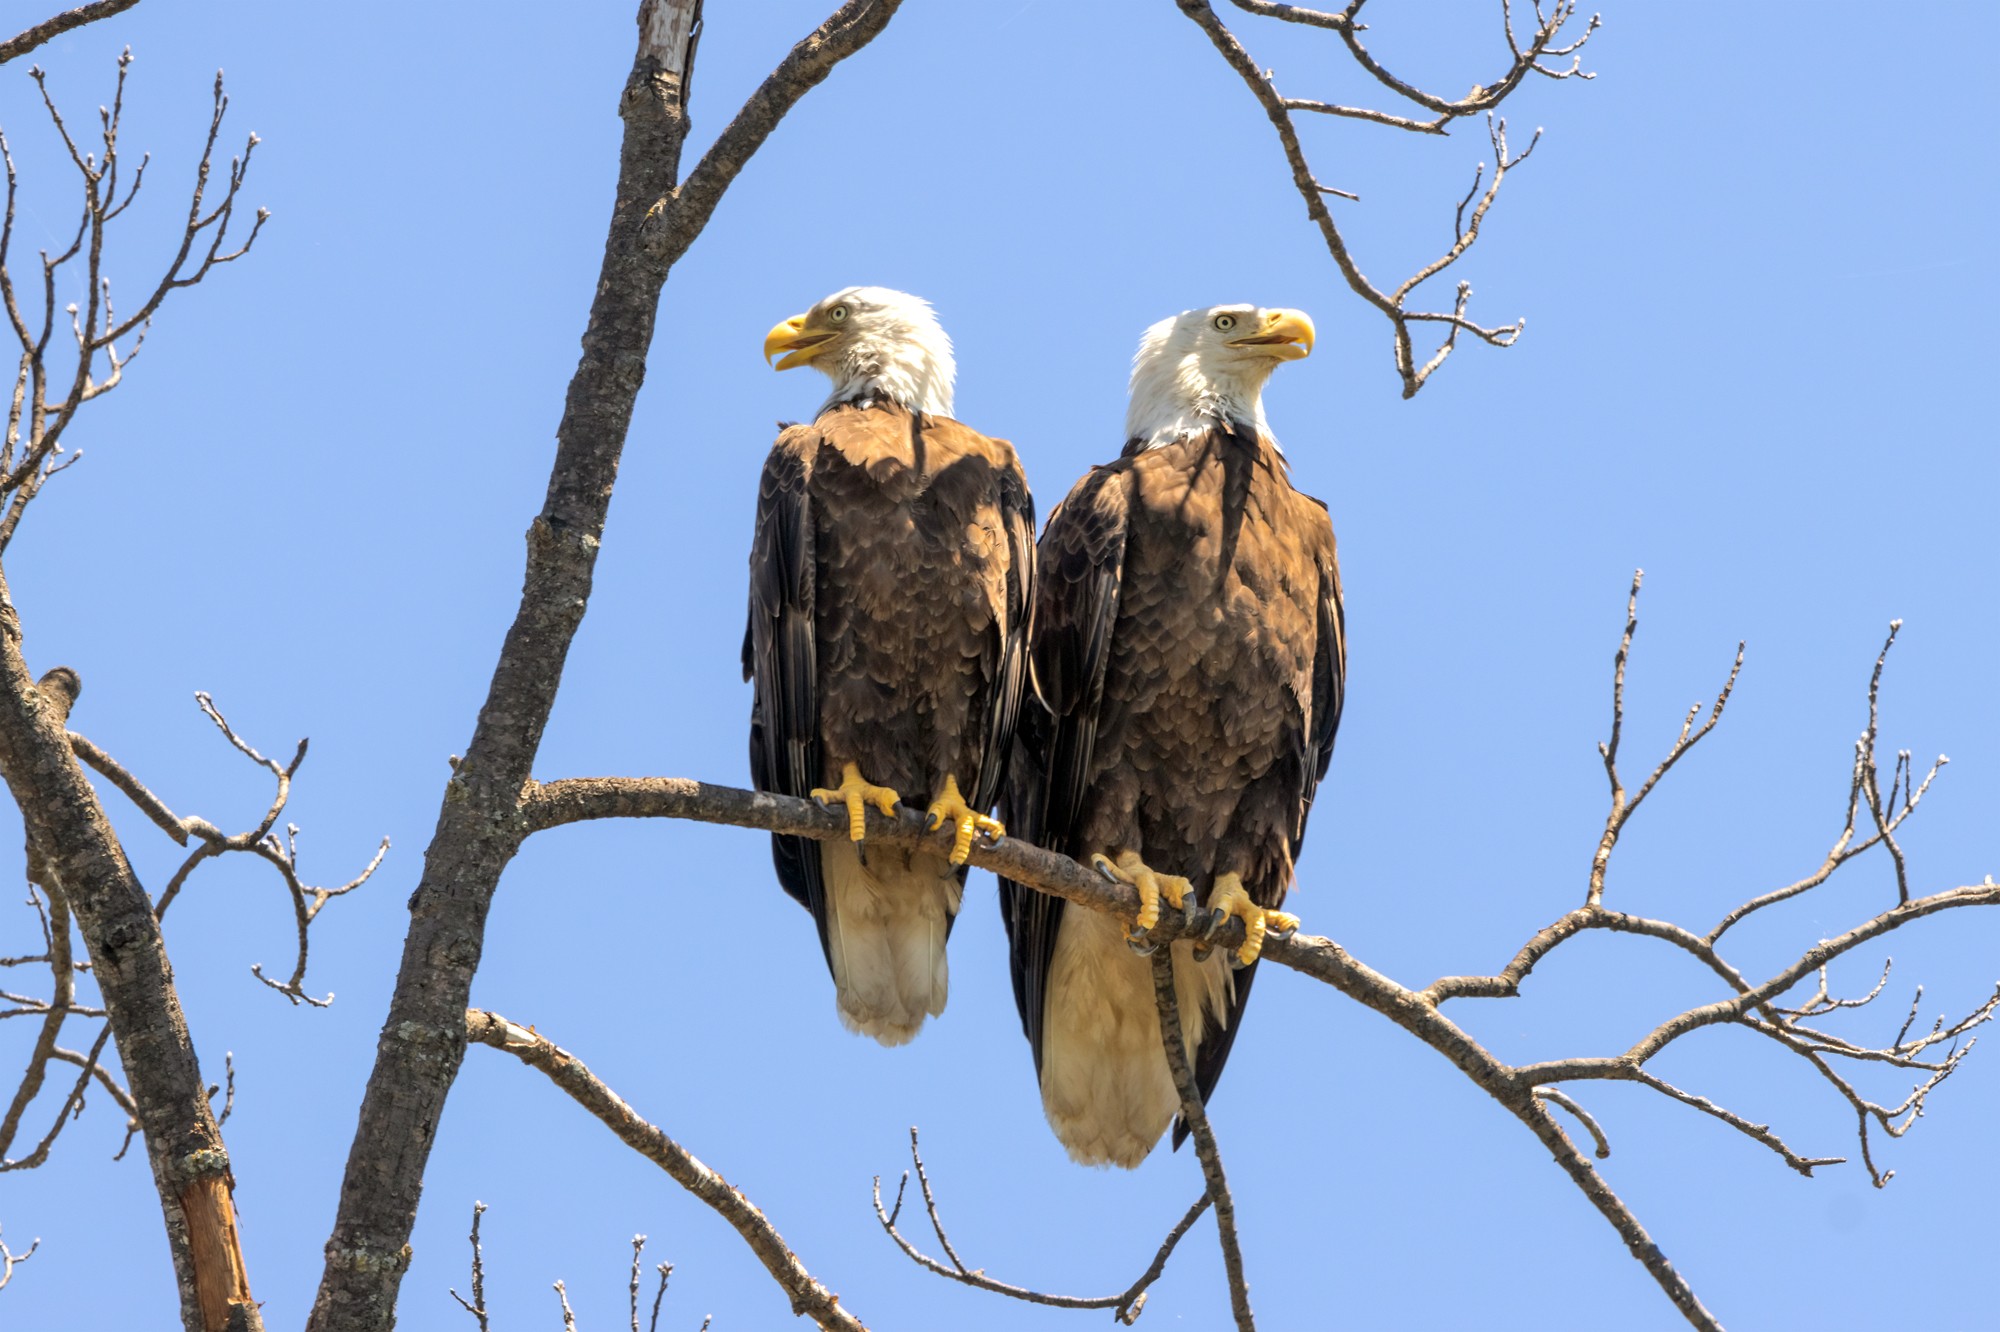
<point x="871" y="340"/>
<point x="1201" y="368"/>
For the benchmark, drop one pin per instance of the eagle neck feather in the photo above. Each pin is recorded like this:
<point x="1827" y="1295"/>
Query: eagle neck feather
<point x="1174" y="399"/>
<point x="916" y="374"/>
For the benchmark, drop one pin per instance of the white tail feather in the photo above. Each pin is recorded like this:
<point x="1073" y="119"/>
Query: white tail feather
<point x="886" y="924"/>
<point x="1105" y="1084"/>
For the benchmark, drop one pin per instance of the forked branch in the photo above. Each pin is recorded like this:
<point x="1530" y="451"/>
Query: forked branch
<point x="1531" y="55"/>
<point x="9" y="1260"/>
<point x="1125" y="1306"/>
<point x="1196" y="1118"/>
<point x="50" y="904"/>
<point x="261" y="840"/>
<point x="49" y="390"/>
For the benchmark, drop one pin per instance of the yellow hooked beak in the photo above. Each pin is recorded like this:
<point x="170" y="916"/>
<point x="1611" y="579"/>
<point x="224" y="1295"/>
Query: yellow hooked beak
<point x="791" y="337"/>
<point x="1288" y="333"/>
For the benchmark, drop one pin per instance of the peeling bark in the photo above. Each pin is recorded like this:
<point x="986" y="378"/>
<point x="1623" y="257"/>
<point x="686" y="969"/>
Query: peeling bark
<point x="77" y="850"/>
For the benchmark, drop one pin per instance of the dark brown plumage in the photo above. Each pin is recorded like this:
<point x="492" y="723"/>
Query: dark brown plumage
<point x="890" y="584"/>
<point x="1188" y="647"/>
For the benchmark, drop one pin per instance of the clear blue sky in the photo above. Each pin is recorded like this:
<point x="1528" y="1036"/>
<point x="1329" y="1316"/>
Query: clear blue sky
<point x="1755" y="260"/>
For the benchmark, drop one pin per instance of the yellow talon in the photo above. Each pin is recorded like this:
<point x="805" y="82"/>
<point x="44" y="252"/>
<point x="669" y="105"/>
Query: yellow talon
<point x="1226" y="895"/>
<point x="1151" y="885"/>
<point x="966" y="820"/>
<point x="857" y="795"/>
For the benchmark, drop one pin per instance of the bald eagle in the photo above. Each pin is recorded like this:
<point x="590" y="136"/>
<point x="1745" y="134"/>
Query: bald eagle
<point x="891" y="576"/>
<point x="1189" y="651"/>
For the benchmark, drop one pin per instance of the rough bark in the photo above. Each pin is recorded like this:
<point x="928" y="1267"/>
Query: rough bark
<point x="479" y="827"/>
<point x="51" y="28"/>
<point x="77" y="849"/>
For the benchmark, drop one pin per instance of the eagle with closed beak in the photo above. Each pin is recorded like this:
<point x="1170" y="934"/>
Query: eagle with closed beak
<point x="1188" y="647"/>
<point x="891" y="579"/>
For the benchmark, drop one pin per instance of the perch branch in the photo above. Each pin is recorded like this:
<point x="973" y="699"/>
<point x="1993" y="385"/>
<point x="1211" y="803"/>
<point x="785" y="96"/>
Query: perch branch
<point x="1523" y="1090"/>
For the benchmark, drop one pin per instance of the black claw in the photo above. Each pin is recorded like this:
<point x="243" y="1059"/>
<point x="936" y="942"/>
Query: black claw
<point x="1216" y="920"/>
<point x="1201" y="952"/>
<point x="1106" y="871"/>
<point x="1236" y="962"/>
<point x="1281" y="934"/>
<point x="1141" y="945"/>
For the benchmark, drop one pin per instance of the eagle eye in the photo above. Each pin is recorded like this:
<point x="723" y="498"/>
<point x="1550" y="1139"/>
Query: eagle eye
<point x="1223" y="323"/>
<point x="837" y="315"/>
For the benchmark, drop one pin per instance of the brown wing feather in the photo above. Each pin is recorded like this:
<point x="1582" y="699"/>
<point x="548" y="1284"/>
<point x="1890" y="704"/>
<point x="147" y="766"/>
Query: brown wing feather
<point x="839" y="493"/>
<point x="1080" y="567"/>
<point x="1010" y="672"/>
<point x="1329" y="679"/>
<point x="780" y="654"/>
<point x="1314" y="738"/>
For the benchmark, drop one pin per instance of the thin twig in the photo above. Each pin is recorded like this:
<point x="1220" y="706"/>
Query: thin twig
<point x="1126" y="1305"/>
<point x="227" y="1089"/>
<point x="665" y="1270"/>
<point x="1583" y="1117"/>
<point x="477" y="1306"/>
<point x="1443" y="111"/>
<point x="9" y="1260"/>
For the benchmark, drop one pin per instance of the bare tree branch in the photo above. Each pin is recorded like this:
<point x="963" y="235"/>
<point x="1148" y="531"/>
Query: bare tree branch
<point x="1125" y="1306"/>
<point x="665" y="1270"/>
<point x="9" y="1260"/>
<point x="227" y="1089"/>
<point x="149" y="804"/>
<point x="1583" y="1117"/>
<point x="260" y="841"/>
<point x="479" y="828"/>
<point x="809" y="1298"/>
<point x="1196" y="1117"/>
<point x="51" y="28"/>
<point x="194" y="1181"/>
<point x="1483" y="99"/>
<point x="46" y="397"/>
<point x="477" y="1307"/>
<point x="1312" y="18"/>
<point x="78" y="853"/>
